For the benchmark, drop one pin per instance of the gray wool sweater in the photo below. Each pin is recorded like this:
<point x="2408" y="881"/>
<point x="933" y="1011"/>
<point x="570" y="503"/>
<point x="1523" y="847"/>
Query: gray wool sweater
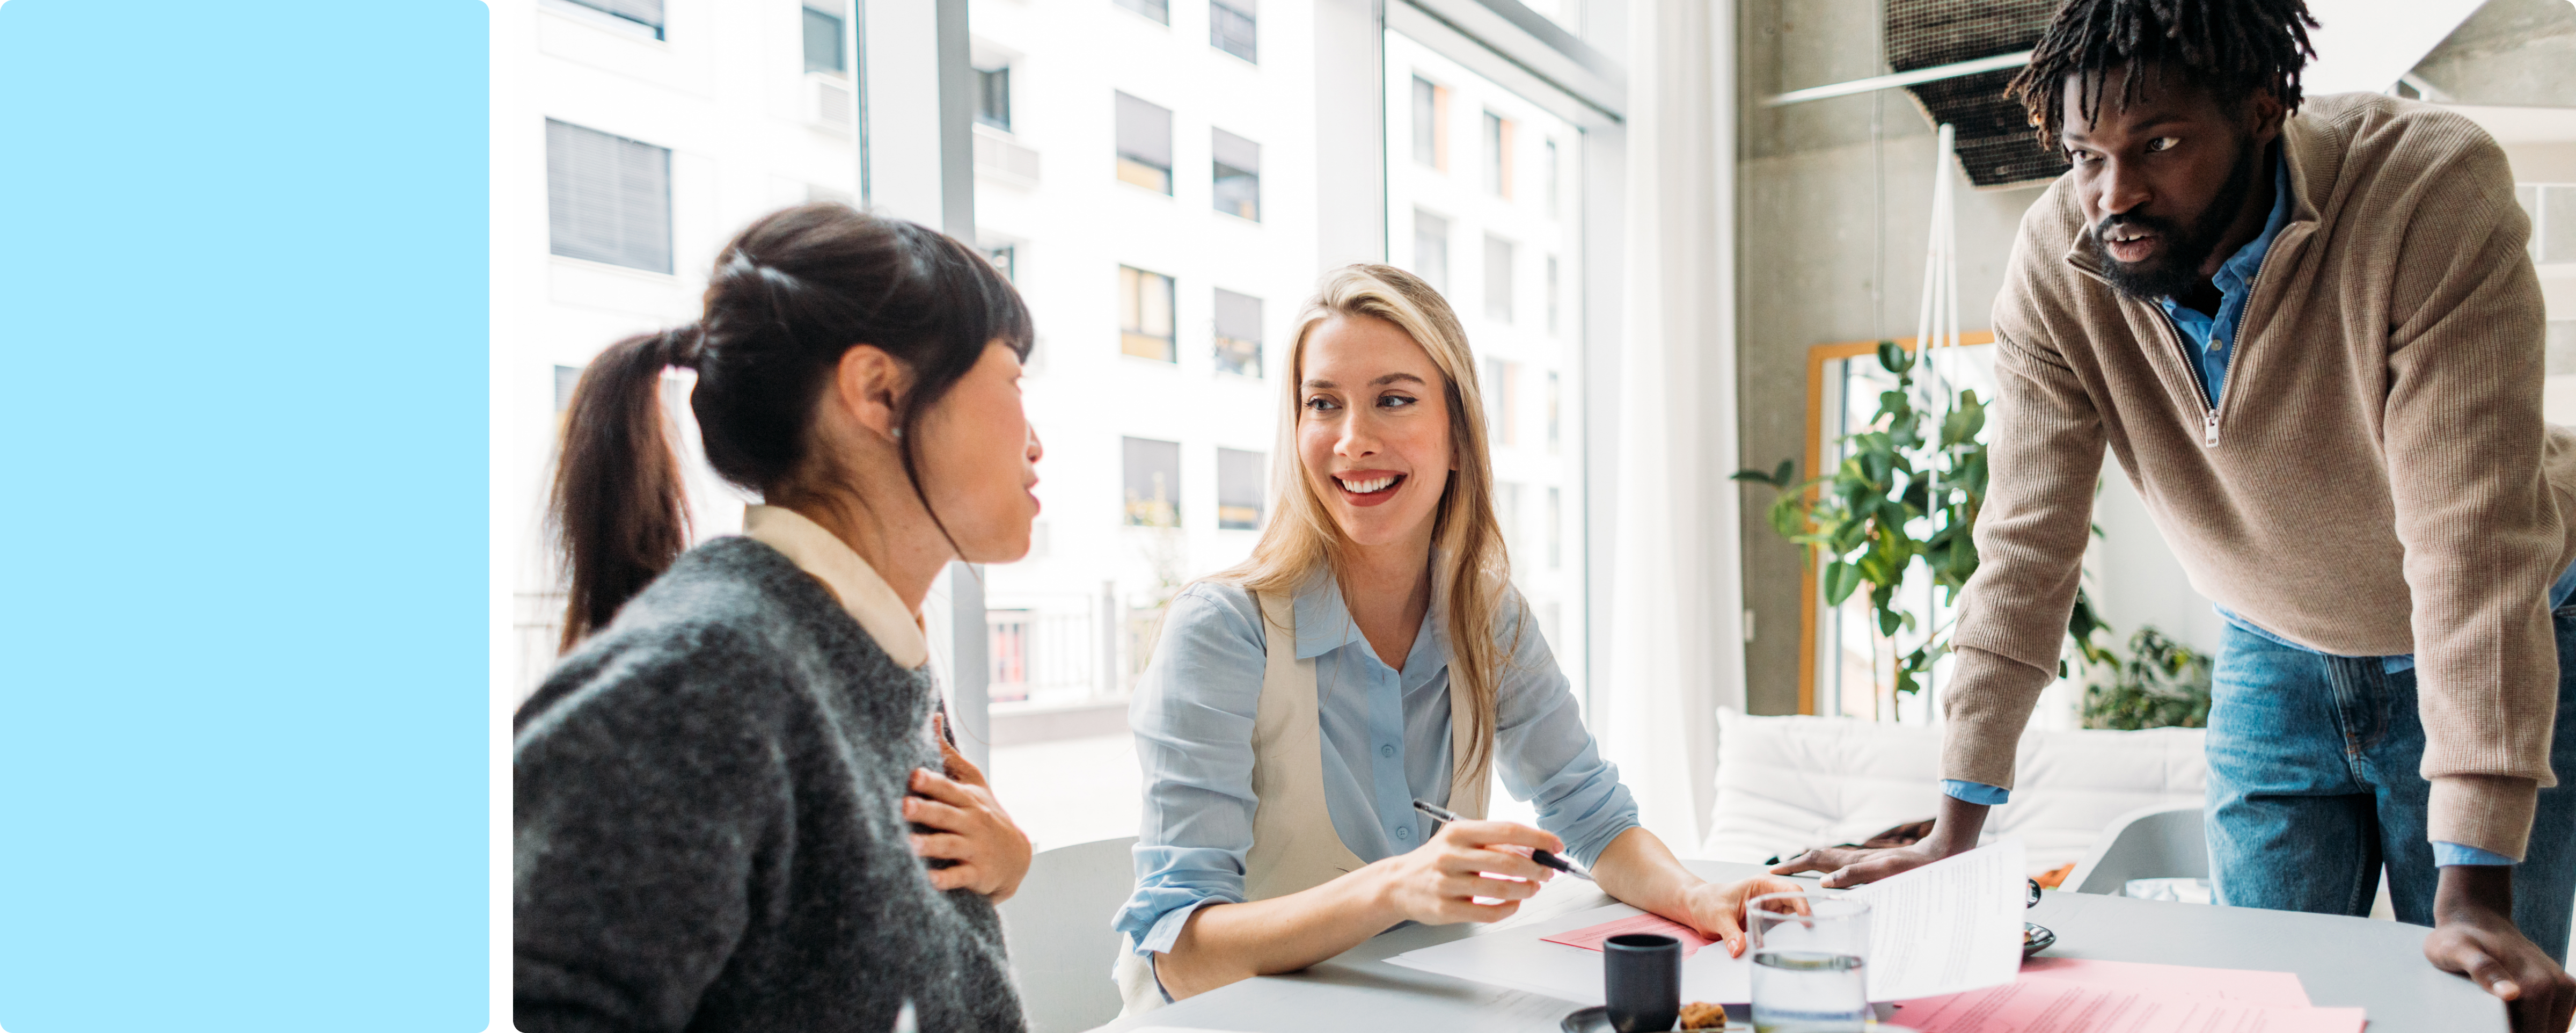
<point x="709" y="827"/>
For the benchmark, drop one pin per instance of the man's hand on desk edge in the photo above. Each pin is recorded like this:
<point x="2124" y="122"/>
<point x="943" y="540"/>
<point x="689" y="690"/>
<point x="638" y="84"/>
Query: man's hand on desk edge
<point x="2474" y="935"/>
<point x="1953" y="832"/>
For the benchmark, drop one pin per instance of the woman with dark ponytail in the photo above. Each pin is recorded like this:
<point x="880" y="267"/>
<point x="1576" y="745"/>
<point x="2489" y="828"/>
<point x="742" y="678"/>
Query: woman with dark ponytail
<point x="735" y="809"/>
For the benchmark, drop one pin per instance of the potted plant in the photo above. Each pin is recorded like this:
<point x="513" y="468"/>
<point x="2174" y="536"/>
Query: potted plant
<point x="1903" y="492"/>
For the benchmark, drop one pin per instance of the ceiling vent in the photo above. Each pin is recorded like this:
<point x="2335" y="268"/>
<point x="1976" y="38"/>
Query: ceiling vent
<point x="1996" y="146"/>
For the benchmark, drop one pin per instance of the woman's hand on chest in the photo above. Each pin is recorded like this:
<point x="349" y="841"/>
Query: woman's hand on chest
<point x="968" y="826"/>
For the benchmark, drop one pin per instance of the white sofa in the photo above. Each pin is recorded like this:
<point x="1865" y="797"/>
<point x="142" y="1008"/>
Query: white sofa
<point x="1785" y="783"/>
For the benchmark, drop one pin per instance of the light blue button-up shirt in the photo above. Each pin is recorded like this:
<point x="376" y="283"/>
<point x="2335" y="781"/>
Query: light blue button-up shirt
<point x="1385" y="738"/>
<point x="2212" y="339"/>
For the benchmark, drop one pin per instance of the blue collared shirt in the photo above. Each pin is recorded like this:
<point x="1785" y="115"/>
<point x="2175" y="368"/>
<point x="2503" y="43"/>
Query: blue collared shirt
<point x="2213" y="341"/>
<point x="2212" y="338"/>
<point x="1386" y="743"/>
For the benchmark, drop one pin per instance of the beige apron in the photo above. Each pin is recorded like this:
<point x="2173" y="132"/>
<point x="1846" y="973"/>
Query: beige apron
<point x="1294" y="846"/>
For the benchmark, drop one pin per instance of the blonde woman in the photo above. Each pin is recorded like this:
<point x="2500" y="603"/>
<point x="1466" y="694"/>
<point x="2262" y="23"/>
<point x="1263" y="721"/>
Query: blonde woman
<point x="1371" y="652"/>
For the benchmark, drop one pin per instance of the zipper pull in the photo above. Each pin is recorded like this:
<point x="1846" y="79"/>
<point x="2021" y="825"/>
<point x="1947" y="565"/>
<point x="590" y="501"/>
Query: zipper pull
<point x="2209" y="430"/>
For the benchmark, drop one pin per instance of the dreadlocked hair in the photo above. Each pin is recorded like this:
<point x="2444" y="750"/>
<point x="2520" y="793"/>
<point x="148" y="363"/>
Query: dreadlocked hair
<point x="2232" y="47"/>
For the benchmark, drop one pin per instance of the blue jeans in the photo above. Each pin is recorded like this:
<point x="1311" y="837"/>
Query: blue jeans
<point x="2314" y="783"/>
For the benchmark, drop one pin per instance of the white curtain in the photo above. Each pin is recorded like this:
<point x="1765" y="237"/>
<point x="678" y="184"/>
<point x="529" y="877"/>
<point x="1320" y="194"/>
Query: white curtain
<point x="1676" y="638"/>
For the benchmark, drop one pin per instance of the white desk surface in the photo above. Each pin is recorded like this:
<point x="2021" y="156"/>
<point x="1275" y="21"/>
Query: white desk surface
<point x="2378" y="965"/>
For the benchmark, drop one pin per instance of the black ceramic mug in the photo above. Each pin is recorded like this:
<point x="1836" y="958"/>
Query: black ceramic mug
<point x="1641" y="977"/>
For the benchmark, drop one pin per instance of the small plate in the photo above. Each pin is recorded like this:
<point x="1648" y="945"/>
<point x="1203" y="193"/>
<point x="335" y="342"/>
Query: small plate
<point x="1596" y="1019"/>
<point x="2041" y="938"/>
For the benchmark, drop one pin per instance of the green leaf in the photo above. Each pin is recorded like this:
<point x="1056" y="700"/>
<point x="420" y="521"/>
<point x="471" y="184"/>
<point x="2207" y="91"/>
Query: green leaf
<point x="1894" y="359"/>
<point x="1840" y="580"/>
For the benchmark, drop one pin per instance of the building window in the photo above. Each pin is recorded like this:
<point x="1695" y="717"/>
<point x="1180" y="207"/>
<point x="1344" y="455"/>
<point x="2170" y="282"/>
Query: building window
<point x="608" y="198"/>
<point x="1239" y="489"/>
<point x="1153" y="483"/>
<point x="1555" y="520"/>
<point x="1145" y="315"/>
<point x="1005" y="257"/>
<point x="1431" y="250"/>
<point x="1232" y="26"/>
<point x="1238" y="175"/>
<point x="1502" y="404"/>
<point x="1507" y="511"/>
<point x="1552" y="181"/>
<point x="1498" y="278"/>
<point x="993" y="97"/>
<point x="1145" y="144"/>
<point x="1555" y="412"/>
<point x="647" y="13"/>
<point x="1498" y="154"/>
<point x="1159" y="10"/>
<point x="823" y="39"/>
<point x="1238" y="333"/>
<point x="1430" y="124"/>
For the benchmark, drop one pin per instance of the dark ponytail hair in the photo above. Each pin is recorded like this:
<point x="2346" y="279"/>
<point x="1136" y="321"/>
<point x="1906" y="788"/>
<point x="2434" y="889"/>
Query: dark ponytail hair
<point x="788" y="297"/>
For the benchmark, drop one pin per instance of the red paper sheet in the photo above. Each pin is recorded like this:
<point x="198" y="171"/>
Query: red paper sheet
<point x="2245" y="986"/>
<point x="1590" y="937"/>
<point x="2033" y="1004"/>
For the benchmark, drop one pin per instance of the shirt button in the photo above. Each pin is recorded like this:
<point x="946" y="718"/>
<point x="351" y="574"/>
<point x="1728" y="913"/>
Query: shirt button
<point x="2217" y="343"/>
<point x="1386" y="751"/>
<point x="1404" y="832"/>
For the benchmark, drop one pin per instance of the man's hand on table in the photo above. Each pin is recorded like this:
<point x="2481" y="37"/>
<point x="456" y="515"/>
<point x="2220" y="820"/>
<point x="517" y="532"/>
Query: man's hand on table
<point x="1953" y="832"/>
<point x="2474" y="935"/>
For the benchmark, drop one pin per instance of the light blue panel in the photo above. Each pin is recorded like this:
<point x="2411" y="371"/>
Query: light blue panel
<point x="243" y="680"/>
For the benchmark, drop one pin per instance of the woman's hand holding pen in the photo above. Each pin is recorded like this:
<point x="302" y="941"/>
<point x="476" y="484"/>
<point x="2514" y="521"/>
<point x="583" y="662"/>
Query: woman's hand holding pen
<point x="969" y="827"/>
<point x="1437" y="883"/>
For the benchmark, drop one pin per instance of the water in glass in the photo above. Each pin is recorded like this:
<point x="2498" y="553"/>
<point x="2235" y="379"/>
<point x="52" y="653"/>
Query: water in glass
<point x="1803" y="991"/>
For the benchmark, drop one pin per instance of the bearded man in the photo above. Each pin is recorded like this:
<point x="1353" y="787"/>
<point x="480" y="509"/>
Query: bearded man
<point x="2312" y="335"/>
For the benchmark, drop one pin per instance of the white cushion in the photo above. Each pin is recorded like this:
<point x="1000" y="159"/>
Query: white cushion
<point x="1785" y="783"/>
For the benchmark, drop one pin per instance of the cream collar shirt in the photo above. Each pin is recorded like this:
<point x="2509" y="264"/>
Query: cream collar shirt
<point x="868" y="598"/>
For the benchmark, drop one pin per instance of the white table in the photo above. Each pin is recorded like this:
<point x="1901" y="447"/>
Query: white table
<point x="2377" y="965"/>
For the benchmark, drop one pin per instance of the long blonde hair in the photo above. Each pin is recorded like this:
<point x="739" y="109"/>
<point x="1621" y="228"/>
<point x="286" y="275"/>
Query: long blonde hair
<point x="1466" y="538"/>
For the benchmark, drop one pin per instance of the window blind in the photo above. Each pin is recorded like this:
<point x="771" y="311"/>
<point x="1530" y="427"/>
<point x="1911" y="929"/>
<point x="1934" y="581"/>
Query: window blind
<point x="648" y="12"/>
<point x="608" y="198"/>
<point x="1144" y="132"/>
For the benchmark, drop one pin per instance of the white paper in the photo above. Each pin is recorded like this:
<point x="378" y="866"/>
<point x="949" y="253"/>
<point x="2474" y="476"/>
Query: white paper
<point x="1519" y="959"/>
<point x="1947" y="927"/>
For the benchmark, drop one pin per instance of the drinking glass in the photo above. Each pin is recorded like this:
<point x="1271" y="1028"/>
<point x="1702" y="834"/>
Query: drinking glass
<point x="1810" y="954"/>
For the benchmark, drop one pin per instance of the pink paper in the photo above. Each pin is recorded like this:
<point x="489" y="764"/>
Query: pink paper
<point x="2037" y="1004"/>
<point x="2248" y="986"/>
<point x="1590" y="937"/>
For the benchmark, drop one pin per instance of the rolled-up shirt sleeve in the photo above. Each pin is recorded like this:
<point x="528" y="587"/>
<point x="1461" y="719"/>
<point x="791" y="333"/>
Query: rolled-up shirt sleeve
<point x="1192" y="716"/>
<point x="1544" y="753"/>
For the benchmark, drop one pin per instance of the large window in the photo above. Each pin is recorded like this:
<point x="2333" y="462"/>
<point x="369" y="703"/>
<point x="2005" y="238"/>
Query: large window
<point x="608" y="198"/>
<point x="993" y="97"/>
<point x="1430" y="123"/>
<point x="1233" y="27"/>
<point x="1145" y="315"/>
<point x="1498" y="278"/>
<point x="1238" y="175"/>
<point x="1498" y="154"/>
<point x="1144" y="144"/>
<point x="823" y="37"/>
<point x="1153" y="483"/>
<point x="1241" y="483"/>
<point x="1431" y="249"/>
<point x="1238" y="333"/>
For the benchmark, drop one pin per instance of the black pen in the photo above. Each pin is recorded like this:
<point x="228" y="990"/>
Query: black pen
<point x="1545" y="859"/>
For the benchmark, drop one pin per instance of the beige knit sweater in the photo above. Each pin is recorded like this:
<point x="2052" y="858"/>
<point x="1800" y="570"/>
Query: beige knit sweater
<point x="2375" y="480"/>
